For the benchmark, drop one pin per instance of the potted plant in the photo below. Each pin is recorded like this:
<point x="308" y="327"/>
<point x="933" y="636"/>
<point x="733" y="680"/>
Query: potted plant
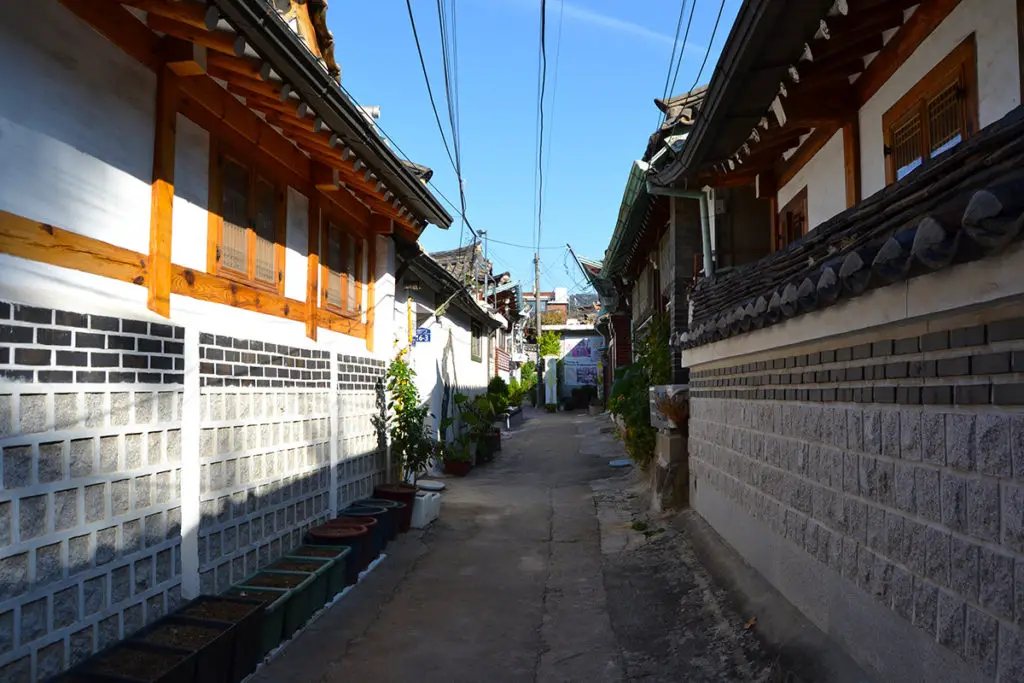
<point x="457" y="459"/>
<point x="676" y="409"/>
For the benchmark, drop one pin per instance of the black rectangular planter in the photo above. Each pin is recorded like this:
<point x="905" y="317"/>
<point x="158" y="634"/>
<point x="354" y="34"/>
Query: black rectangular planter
<point x="118" y="663"/>
<point x="213" y="653"/>
<point x="247" y="618"/>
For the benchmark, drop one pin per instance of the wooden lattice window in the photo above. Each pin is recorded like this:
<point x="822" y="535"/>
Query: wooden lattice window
<point x="791" y="223"/>
<point x="247" y="224"/>
<point x="341" y="273"/>
<point x="937" y="114"/>
<point x="476" y="343"/>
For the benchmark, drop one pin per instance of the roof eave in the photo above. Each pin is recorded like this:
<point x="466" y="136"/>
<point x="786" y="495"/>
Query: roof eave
<point x="271" y="37"/>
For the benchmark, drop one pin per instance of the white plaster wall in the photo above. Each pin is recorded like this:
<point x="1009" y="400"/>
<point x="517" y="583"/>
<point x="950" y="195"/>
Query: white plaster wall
<point x="76" y="126"/>
<point x="994" y="24"/>
<point x="824" y="176"/>
<point x="190" y="213"/>
<point x="384" y="328"/>
<point x="296" y="246"/>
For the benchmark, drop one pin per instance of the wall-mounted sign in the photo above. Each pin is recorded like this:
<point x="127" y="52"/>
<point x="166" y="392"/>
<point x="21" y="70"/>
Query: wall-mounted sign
<point x="421" y="335"/>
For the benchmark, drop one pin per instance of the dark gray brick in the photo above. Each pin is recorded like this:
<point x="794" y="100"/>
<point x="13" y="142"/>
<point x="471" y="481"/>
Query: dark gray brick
<point x="69" y="319"/>
<point x="1011" y="653"/>
<point x="991" y="363"/>
<point x="33" y="620"/>
<point x="996" y="574"/>
<point x="33" y="516"/>
<point x="935" y="341"/>
<point x="88" y="340"/>
<point x="24" y="356"/>
<point x="31" y="314"/>
<point x="954" y="501"/>
<point x="951" y="622"/>
<point x="983" y="509"/>
<point x="1006" y="330"/>
<point x="926" y="599"/>
<point x="902" y="592"/>
<point x="972" y="394"/>
<point x="17" y="467"/>
<point x="914" y="546"/>
<point x="1008" y="394"/>
<point x="14" y="334"/>
<point x="992" y="446"/>
<point x="967" y="336"/>
<point x="49" y="567"/>
<point x="982" y="633"/>
<point x="52" y="337"/>
<point x="937" y="552"/>
<point x="927" y="486"/>
<point x="905" y="487"/>
<point x="65" y="607"/>
<point x="13" y="576"/>
<point x="960" y="441"/>
<point x="105" y="323"/>
<point x="953" y="367"/>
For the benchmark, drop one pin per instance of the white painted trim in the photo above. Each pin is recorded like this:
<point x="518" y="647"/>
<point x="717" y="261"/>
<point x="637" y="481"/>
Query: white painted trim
<point x="970" y="284"/>
<point x="335" y="434"/>
<point x="190" y="467"/>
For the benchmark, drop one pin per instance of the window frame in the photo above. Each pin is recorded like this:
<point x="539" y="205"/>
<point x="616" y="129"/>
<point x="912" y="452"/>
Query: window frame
<point x="330" y="221"/>
<point x="476" y="333"/>
<point x="220" y="152"/>
<point x="798" y="204"/>
<point x="962" y="64"/>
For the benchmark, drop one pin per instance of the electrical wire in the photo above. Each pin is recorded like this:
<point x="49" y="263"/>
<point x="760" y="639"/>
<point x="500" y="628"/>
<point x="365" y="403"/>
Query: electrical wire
<point x="426" y="78"/>
<point x="554" y="85"/>
<point x="540" y="105"/>
<point x="522" y="246"/>
<point x="686" y="36"/>
<point x="711" y="42"/>
<point x="675" y="42"/>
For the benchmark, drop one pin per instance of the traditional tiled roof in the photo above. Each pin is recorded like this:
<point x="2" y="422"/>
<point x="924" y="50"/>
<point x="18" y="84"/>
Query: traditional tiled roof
<point x="465" y="263"/>
<point x="961" y="206"/>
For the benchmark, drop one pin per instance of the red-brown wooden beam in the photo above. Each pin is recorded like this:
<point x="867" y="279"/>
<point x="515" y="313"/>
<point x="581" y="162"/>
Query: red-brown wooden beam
<point x="158" y="297"/>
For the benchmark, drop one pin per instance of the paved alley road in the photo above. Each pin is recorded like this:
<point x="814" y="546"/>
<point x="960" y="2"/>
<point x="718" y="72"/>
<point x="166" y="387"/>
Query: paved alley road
<point x="532" y="574"/>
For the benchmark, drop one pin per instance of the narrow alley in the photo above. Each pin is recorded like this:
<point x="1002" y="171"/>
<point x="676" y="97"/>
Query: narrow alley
<point x="534" y="572"/>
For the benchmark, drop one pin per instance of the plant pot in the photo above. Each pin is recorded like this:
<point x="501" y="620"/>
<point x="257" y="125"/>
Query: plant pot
<point x="300" y="606"/>
<point x="383" y="526"/>
<point x="458" y="468"/>
<point x="401" y="493"/>
<point x="141" y="662"/>
<point x="211" y="642"/>
<point x="275" y="608"/>
<point x="339" y="570"/>
<point x="355" y="538"/>
<point x="246" y="616"/>
<point x="316" y="566"/>
<point x="396" y="511"/>
<point x="376" y="536"/>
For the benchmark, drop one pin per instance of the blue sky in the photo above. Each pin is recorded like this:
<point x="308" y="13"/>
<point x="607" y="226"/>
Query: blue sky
<point x="611" y="64"/>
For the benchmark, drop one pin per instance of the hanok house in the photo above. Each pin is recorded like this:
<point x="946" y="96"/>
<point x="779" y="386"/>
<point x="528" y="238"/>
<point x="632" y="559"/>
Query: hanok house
<point x="857" y="431"/>
<point x="196" y="232"/>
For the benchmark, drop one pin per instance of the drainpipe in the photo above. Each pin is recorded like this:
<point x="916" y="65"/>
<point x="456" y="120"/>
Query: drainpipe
<point x="705" y="221"/>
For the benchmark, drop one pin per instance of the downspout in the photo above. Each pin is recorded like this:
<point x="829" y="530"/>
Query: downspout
<point x="705" y="220"/>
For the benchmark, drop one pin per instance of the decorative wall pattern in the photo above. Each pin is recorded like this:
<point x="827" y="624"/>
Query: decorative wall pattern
<point x="90" y="514"/>
<point x="898" y="464"/>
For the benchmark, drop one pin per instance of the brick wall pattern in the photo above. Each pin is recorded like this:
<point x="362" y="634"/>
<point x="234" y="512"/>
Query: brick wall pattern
<point x="89" y="505"/>
<point x="899" y="465"/>
<point x="264" y="454"/>
<point x="362" y="455"/>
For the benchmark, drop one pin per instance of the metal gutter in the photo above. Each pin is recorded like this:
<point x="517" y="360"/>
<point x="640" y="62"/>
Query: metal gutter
<point x="705" y="219"/>
<point x="275" y="42"/>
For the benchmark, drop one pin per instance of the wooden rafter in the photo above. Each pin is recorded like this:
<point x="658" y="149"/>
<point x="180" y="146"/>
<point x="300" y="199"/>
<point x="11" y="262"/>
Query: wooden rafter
<point x="221" y="41"/>
<point x="196" y="14"/>
<point x="243" y="66"/>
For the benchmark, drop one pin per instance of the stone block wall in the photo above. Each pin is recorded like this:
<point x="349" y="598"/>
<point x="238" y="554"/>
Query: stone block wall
<point x="896" y="464"/>
<point x="264" y="453"/>
<point x="94" y="438"/>
<point x="362" y="455"/>
<point x="90" y="512"/>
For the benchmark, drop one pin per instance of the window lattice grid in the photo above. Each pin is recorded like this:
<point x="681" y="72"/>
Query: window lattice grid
<point x="265" y="229"/>
<point x="333" y="263"/>
<point x="235" y="211"/>
<point x="945" y="119"/>
<point x="907" y="145"/>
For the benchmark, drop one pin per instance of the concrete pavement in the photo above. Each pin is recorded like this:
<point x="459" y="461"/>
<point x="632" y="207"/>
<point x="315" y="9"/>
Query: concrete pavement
<point x="535" y="572"/>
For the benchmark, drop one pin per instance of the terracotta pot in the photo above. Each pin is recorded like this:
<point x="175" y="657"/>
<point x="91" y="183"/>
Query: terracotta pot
<point x="459" y="468"/>
<point x="400" y="493"/>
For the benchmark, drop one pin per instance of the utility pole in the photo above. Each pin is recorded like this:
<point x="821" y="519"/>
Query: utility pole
<point x="536" y="313"/>
<point x="487" y="266"/>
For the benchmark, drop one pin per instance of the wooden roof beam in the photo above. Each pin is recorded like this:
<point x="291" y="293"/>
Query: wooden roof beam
<point x="183" y="58"/>
<point x="221" y="41"/>
<point x="195" y="14"/>
<point x="840" y="50"/>
<point x="244" y="66"/>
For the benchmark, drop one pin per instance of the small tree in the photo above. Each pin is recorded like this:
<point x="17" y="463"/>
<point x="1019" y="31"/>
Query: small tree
<point x="404" y="419"/>
<point x="550" y="343"/>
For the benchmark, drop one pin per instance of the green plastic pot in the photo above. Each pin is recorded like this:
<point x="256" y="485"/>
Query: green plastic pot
<point x="276" y="606"/>
<point x="339" y="571"/>
<point x="318" y="595"/>
<point x="298" y="607"/>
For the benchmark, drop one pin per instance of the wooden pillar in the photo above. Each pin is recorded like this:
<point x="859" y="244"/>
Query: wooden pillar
<point x="371" y="293"/>
<point x="313" y="266"/>
<point x="160" y="218"/>
<point x="851" y="160"/>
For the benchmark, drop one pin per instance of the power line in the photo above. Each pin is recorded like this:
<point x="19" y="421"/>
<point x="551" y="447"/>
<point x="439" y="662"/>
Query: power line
<point x="522" y="246"/>
<point x="540" y="104"/>
<point x="554" y="85"/>
<point x="711" y="42"/>
<point x="430" y="92"/>
<point x="675" y="42"/>
<point x="682" y="49"/>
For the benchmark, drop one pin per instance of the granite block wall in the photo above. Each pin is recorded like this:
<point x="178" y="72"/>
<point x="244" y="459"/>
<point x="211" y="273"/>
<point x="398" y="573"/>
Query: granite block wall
<point x="264" y="454"/>
<point x="89" y="505"/>
<point x="362" y="454"/>
<point x="897" y="464"/>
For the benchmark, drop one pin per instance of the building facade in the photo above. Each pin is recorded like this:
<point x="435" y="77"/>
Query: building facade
<point x="196" y="241"/>
<point x="855" y="403"/>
